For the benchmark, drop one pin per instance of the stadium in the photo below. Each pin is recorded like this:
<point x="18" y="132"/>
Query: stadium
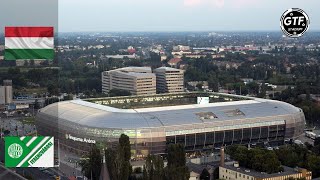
<point x="200" y="121"/>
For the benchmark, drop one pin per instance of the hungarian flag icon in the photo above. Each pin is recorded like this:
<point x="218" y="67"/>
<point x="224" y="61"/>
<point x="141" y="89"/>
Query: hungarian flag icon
<point x="29" y="43"/>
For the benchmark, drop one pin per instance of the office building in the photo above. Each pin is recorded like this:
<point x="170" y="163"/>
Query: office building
<point x="169" y="80"/>
<point x="136" y="80"/>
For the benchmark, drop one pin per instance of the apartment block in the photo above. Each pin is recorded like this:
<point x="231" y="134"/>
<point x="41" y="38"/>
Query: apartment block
<point x="169" y="80"/>
<point x="136" y="80"/>
<point x="232" y="171"/>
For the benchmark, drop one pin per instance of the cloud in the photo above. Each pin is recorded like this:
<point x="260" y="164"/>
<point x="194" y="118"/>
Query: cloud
<point x="193" y="3"/>
<point x="243" y="3"/>
<point x="220" y="3"/>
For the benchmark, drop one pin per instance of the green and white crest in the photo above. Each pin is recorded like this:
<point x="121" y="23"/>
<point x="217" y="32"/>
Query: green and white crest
<point x="28" y="151"/>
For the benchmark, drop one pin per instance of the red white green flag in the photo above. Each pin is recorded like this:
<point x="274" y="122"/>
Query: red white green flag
<point x="29" y="43"/>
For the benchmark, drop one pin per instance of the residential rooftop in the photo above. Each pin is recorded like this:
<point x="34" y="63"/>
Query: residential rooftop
<point x="250" y="172"/>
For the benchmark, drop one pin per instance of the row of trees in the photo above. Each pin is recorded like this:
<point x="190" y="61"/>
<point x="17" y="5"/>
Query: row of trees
<point x="306" y="157"/>
<point x="258" y="159"/>
<point x="118" y="163"/>
<point x="176" y="168"/>
<point x="291" y="155"/>
<point x="310" y="107"/>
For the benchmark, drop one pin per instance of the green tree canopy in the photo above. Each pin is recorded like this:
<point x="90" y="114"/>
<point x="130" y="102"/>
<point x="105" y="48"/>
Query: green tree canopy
<point x="118" y="159"/>
<point x="205" y="175"/>
<point x="91" y="164"/>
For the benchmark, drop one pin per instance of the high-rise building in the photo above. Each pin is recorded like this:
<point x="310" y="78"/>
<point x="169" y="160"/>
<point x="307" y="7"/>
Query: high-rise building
<point x="136" y="80"/>
<point x="169" y="80"/>
<point x="6" y="92"/>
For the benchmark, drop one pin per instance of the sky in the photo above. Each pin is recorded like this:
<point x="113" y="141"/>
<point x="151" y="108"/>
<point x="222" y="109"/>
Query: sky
<point x="154" y="15"/>
<point x="28" y="13"/>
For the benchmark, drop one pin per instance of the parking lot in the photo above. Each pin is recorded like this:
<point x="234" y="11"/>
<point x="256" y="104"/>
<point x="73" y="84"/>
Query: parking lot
<point x="16" y="126"/>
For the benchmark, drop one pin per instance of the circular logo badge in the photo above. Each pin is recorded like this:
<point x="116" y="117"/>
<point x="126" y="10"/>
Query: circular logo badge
<point x="15" y="150"/>
<point x="294" y="22"/>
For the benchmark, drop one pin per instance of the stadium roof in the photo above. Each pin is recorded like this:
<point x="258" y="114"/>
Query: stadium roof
<point x="101" y="116"/>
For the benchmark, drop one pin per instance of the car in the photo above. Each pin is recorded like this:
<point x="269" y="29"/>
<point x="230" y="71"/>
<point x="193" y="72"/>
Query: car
<point x="42" y="168"/>
<point x="48" y="172"/>
<point x="298" y="142"/>
<point x="269" y="148"/>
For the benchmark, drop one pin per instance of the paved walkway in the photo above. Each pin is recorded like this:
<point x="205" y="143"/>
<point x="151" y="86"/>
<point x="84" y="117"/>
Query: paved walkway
<point x="68" y="164"/>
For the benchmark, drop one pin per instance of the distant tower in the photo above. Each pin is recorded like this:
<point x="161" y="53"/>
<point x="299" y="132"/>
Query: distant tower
<point x="222" y="156"/>
<point x="6" y="92"/>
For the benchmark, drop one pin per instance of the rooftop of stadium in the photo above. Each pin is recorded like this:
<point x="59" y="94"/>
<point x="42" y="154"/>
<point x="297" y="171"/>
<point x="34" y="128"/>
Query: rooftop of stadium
<point x="165" y="110"/>
<point x="163" y="100"/>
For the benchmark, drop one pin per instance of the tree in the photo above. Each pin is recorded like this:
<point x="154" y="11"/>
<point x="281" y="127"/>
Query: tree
<point x="313" y="164"/>
<point x="199" y="86"/>
<point x="6" y="132"/>
<point x="256" y="158"/>
<point x="31" y="62"/>
<point x="36" y="104"/>
<point x="124" y="143"/>
<point x="154" y="168"/>
<point x="51" y="100"/>
<point x="53" y="89"/>
<point x="118" y="159"/>
<point x="119" y="92"/>
<point x="205" y="175"/>
<point x="317" y="141"/>
<point x="216" y="173"/>
<point x="91" y="165"/>
<point x="177" y="169"/>
<point x="26" y="63"/>
<point x="68" y="97"/>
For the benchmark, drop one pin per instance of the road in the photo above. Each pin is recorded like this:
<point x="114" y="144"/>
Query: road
<point x="70" y="168"/>
<point x="305" y="139"/>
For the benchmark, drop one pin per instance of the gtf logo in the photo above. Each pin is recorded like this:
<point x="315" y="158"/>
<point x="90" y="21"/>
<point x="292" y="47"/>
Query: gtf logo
<point x="294" y="22"/>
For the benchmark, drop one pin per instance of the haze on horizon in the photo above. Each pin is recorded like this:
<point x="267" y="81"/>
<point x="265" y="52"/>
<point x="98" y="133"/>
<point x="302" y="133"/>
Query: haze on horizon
<point x="153" y="15"/>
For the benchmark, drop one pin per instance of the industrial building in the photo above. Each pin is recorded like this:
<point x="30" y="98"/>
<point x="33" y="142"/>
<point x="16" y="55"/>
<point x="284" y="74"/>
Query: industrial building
<point x="154" y="121"/>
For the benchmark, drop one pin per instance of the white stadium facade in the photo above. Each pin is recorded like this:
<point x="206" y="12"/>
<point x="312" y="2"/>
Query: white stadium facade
<point x="153" y="122"/>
